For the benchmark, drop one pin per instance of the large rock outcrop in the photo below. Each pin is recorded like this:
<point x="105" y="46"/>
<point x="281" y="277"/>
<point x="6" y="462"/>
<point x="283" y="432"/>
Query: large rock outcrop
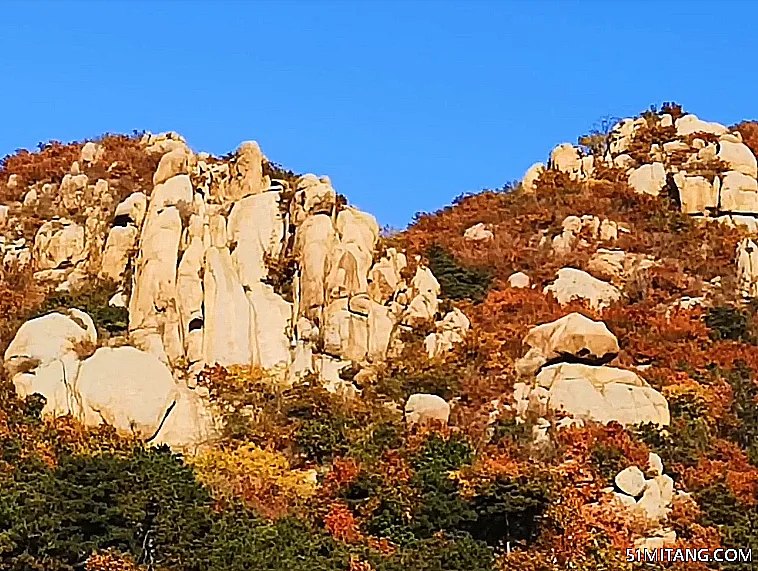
<point x="602" y="394"/>
<point x="217" y="265"/>
<point x="129" y="389"/>
<point x="573" y="337"/>
<point x="566" y="371"/>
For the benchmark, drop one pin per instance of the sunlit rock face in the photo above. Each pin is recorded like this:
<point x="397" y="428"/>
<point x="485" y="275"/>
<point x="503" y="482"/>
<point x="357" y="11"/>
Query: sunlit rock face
<point x="216" y="264"/>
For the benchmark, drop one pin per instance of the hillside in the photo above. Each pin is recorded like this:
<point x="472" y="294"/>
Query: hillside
<point x="213" y="363"/>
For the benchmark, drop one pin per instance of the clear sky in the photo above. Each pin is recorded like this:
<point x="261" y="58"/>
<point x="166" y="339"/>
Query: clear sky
<point x="404" y="105"/>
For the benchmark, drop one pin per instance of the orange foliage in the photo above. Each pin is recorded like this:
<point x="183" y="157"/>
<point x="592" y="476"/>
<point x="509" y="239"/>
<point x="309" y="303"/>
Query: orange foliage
<point x="343" y="473"/>
<point x="109" y="561"/>
<point x="358" y="565"/>
<point x="341" y="523"/>
<point x="749" y="132"/>
<point x="129" y="168"/>
<point x="577" y="442"/>
<point x="125" y="164"/>
<point x="729" y="464"/>
<point x="50" y="164"/>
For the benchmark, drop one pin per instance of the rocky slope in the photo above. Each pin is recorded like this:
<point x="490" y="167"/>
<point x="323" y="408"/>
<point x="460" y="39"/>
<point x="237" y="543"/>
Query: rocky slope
<point x="217" y="263"/>
<point x="536" y="377"/>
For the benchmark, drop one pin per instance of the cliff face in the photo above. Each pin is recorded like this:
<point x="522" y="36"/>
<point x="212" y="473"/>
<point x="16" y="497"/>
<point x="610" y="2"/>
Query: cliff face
<point x="564" y="366"/>
<point x="215" y="263"/>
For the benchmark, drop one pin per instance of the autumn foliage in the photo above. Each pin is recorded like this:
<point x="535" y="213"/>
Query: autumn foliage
<point x="344" y="482"/>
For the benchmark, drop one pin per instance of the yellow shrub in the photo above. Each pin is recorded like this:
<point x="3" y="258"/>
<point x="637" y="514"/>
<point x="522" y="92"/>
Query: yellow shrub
<point x="260" y="478"/>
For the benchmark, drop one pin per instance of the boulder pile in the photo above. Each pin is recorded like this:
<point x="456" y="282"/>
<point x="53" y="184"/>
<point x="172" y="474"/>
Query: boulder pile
<point x="565" y="370"/>
<point x="649" y="494"/>
<point x="706" y="168"/>
<point x="217" y="264"/>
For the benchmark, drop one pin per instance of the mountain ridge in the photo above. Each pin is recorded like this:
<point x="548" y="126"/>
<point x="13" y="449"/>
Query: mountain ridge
<point x="573" y="353"/>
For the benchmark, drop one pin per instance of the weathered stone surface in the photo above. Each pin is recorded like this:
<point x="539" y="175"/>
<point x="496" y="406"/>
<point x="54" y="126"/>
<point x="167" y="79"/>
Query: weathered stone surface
<point x="345" y="332"/>
<point x="175" y="191"/>
<point x="603" y="394"/>
<point x="655" y="464"/>
<point x="648" y="179"/>
<point x="126" y="388"/>
<point x="48" y="338"/>
<point x="155" y="272"/>
<point x="315" y="195"/>
<point x="608" y="230"/>
<point x="350" y="261"/>
<point x="617" y="265"/>
<point x="173" y="163"/>
<point x="652" y="504"/>
<point x="163" y="143"/>
<point x="190" y="297"/>
<point x="385" y="277"/>
<point x="270" y="323"/>
<point x="631" y="481"/>
<point x="58" y="243"/>
<point x="572" y="224"/>
<point x="529" y="182"/>
<point x="519" y="280"/>
<point x="246" y="171"/>
<point x="747" y="268"/>
<point x="424" y="304"/>
<point x="451" y="330"/>
<point x="420" y="408"/>
<point x="72" y="191"/>
<point x="566" y="158"/>
<point x="689" y="124"/>
<point x="381" y="323"/>
<point x="316" y="238"/>
<point x="226" y="340"/>
<point x="91" y="152"/>
<point x="14" y="182"/>
<point x="256" y="228"/>
<point x="131" y="211"/>
<point x="574" y="284"/>
<point x="624" y="162"/>
<point x="573" y="336"/>
<point x="621" y="136"/>
<point x="666" y="487"/>
<point x="739" y="157"/>
<point x="739" y="193"/>
<point x="42" y="357"/>
<point x="189" y="425"/>
<point x="696" y="194"/>
<point x="625" y="499"/>
<point x="120" y="244"/>
<point x="478" y="233"/>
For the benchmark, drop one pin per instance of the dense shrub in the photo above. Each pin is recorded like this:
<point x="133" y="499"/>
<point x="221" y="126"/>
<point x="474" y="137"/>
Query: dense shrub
<point x="737" y="523"/>
<point x="730" y="323"/>
<point x="456" y="281"/>
<point x="87" y="503"/>
<point x="744" y="409"/>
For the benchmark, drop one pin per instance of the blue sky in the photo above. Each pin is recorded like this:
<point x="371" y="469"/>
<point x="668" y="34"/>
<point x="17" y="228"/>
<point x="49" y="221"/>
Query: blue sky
<point x="404" y="105"/>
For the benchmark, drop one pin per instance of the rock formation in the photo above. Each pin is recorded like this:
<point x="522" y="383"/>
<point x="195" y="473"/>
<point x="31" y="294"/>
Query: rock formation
<point x="199" y="261"/>
<point x="564" y="371"/>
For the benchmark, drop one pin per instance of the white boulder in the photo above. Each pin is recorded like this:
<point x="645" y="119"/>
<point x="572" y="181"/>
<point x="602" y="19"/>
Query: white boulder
<point x="573" y="284"/>
<point x="420" y="408"/>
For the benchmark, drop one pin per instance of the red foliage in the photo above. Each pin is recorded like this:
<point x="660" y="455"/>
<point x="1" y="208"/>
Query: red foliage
<point x="343" y="473"/>
<point x="341" y="523"/>
<point x="749" y="132"/>
<point x="726" y="463"/>
<point x="50" y="164"/>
